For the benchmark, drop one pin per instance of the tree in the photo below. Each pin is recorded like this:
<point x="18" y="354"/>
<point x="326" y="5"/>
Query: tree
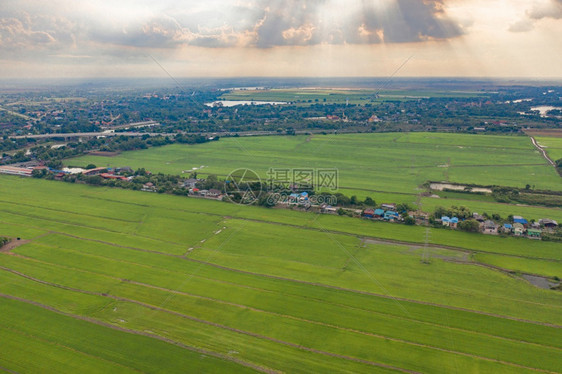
<point x="409" y="221"/>
<point x="469" y="225"/>
<point x="440" y="212"/>
<point x="90" y="166"/>
<point x="369" y="201"/>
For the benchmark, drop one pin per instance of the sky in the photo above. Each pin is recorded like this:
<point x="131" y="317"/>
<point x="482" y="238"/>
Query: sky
<point x="280" y="38"/>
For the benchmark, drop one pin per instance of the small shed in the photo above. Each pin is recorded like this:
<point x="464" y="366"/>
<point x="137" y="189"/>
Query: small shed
<point x="446" y="221"/>
<point x="548" y="223"/>
<point x="389" y="206"/>
<point x="534" y="233"/>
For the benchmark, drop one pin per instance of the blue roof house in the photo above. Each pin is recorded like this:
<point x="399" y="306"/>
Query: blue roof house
<point x="446" y="221"/>
<point x="519" y="219"/>
<point x="390" y="215"/>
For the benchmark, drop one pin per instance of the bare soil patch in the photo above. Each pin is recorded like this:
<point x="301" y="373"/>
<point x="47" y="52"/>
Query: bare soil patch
<point x="556" y="133"/>
<point x="103" y="153"/>
<point x="13" y="244"/>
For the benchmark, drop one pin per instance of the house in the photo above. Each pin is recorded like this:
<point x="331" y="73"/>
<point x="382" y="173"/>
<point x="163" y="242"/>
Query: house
<point x="489" y="227"/>
<point x="478" y="217"/>
<point x="534" y="233"/>
<point x="389" y="215"/>
<point x="507" y="228"/>
<point x="329" y="209"/>
<point x="454" y="222"/>
<point x="124" y="169"/>
<point x="446" y="221"/>
<point x="190" y="183"/>
<point x="521" y="220"/>
<point x="423" y="216"/>
<point x="548" y="223"/>
<point x="214" y="193"/>
<point x="369" y="213"/>
<point x="149" y="187"/>
<point x="94" y="171"/>
<point x="389" y="207"/>
<point x="379" y="213"/>
<point x="518" y="229"/>
<point x="294" y="198"/>
<point x="113" y="176"/>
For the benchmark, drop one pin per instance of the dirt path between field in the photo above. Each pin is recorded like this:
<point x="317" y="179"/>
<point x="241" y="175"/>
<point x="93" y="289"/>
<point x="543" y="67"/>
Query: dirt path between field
<point x="542" y="151"/>
<point x="8" y="370"/>
<point x="263" y="337"/>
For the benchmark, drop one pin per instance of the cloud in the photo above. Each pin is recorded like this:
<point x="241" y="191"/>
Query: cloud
<point x="539" y="10"/>
<point x="302" y="22"/>
<point x="522" y="25"/>
<point x="30" y="25"/>
<point x="550" y="9"/>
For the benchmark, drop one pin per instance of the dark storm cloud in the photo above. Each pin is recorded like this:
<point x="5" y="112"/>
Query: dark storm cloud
<point x="300" y="23"/>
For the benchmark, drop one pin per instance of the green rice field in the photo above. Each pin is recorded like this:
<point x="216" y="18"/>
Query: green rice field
<point x="552" y="145"/>
<point x="390" y="167"/>
<point x="110" y="280"/>
<point x="339" y="96"/>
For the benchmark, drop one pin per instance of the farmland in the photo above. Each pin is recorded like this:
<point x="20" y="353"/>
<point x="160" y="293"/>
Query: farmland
<point x="552" y="145"/>
<point x="121" y="281"/>
<point x="339" y="96"/>
<point x="389" y="167"/>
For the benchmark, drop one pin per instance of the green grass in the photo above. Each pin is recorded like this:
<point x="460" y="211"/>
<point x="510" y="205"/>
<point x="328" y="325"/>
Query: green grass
<point x="275" y="289"/>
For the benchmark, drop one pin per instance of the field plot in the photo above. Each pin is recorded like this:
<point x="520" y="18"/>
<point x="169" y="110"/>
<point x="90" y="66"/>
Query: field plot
<point x="122" y="281"/>
<point x="389" y="167"/>
<point x="552" y="146"/>
<point x="338" y="96"/>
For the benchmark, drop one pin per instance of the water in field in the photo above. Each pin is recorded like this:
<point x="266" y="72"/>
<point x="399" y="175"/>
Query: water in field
<point x="543" y="110"/>
<point x="230" y="103"/>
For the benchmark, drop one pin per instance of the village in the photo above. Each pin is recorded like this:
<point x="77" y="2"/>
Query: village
<point x="126" y="177"/>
